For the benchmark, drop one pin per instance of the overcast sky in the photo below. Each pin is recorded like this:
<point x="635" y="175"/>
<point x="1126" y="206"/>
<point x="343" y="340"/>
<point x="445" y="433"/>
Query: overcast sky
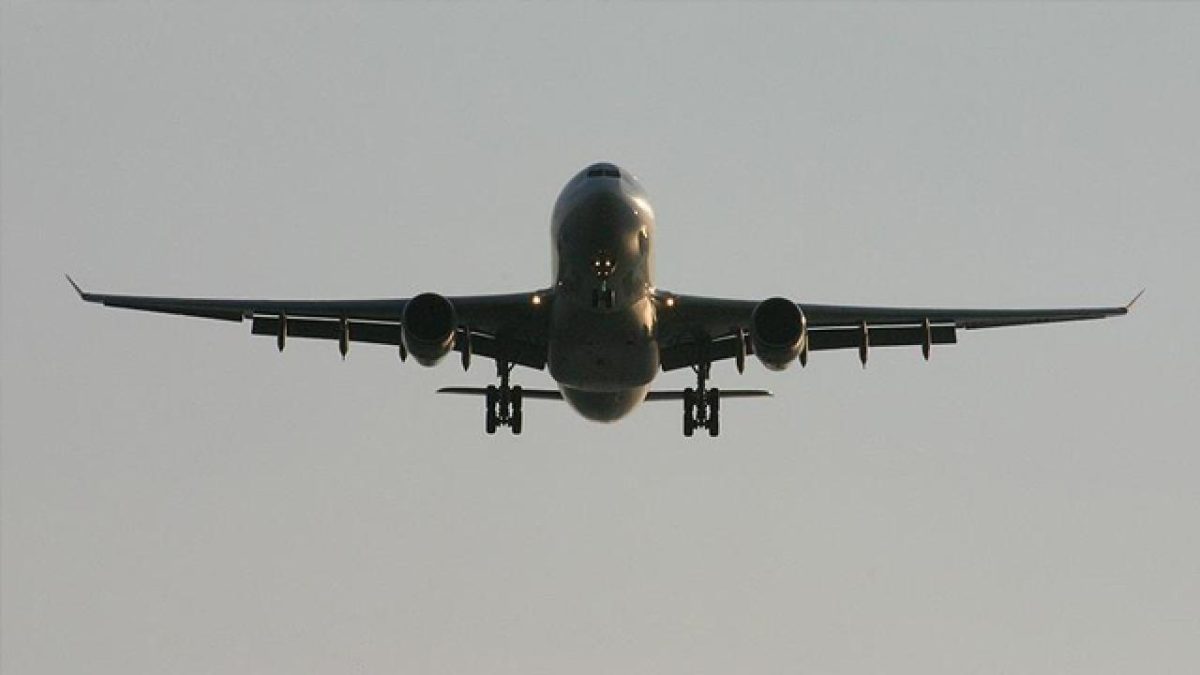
<point x="177" y="497"/>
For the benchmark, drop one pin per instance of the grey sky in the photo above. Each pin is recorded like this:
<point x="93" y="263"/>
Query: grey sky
<point x="177" y="497"/>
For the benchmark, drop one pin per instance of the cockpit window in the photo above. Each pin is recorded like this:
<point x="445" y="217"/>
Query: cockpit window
<point x="606" y="171"/>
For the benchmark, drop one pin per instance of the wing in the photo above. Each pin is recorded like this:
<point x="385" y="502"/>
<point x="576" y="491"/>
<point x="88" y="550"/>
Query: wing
<point x="695" y="328"/>
<point x="511" y="327"/>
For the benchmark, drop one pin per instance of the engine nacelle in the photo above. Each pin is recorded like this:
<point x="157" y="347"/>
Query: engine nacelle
<point x="779" y="331"/>
<point x="428" y="330"/>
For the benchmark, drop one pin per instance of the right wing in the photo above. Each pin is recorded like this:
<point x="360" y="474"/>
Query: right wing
<point x="697" y="328"/>
<point x="510" y="327"/>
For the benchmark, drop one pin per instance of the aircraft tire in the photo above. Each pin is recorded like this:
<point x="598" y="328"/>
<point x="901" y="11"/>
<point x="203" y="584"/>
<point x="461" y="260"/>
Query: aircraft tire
<point x="490" y="417"/>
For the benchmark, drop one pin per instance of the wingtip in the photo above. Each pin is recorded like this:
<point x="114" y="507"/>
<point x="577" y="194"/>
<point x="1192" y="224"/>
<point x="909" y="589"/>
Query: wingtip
<point x="1137" y="297"/>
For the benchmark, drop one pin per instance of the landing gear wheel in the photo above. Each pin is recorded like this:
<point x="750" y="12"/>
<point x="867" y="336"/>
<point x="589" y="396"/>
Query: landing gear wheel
<point x="689" y="411"/>
<point x="518" y="417"/>
<point x="490" y="420"/>
<point x="714" y="412"/>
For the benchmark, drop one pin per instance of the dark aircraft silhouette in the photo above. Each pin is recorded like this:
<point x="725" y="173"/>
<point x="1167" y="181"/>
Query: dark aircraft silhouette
<point x="602" y="328"/>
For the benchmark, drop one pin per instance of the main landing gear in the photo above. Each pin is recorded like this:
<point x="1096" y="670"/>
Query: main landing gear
<point x="504" y="402"/>
<point x="701" y="406"/>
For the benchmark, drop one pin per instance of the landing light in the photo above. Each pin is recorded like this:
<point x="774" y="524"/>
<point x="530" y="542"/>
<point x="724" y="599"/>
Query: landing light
<point x="537" y="300"/>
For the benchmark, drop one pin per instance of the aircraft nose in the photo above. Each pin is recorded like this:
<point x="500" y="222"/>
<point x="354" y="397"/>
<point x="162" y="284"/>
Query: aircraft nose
<point x="605" y="221"/>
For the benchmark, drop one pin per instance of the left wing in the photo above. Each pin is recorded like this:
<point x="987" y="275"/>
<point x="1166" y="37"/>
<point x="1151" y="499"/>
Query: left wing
<point x="696" y="328"/>
<point x="510" y="327"/>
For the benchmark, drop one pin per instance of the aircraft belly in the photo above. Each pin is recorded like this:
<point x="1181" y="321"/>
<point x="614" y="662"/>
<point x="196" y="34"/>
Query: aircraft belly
<point x="604" y="406"/>
<point x="603" y="351"/>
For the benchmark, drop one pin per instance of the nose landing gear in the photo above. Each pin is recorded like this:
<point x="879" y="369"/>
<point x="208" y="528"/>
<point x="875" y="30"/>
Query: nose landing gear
<point x="701" y="406"/>
<point x="603" y="296"/>
<point x="603" y="267"/>
<point x="503" y="402"/>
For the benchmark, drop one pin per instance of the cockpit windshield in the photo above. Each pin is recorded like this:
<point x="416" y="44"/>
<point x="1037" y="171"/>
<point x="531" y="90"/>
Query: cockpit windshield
<point x="603" y="170"/>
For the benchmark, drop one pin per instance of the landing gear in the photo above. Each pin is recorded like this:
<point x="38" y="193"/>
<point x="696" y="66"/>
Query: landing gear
<point x="689" y="412"/>
<point x="603" y="266"/>
<point x="503" y="402"/>
<point x="701" y="406"/>
<point x="492" y="399"/>
<point x="603" y="297"/>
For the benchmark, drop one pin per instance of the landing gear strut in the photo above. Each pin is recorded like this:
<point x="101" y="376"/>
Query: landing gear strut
<point x="603" y="296"/>
<point x="504" y="402"/>
<point x="701" y="406"/>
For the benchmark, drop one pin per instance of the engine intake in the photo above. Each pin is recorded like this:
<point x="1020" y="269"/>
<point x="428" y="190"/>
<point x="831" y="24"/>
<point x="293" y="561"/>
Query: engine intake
<point x="428" y="329"/>
<point x="779" y="331"/>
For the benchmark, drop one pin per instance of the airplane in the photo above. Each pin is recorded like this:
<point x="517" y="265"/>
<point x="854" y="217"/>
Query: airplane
<point x="603" y="329"/>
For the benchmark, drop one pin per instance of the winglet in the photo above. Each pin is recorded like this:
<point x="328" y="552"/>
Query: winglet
<point x="1135" y="299"/>
<point x="76" y="287"/>
<point x="84" y="295"/>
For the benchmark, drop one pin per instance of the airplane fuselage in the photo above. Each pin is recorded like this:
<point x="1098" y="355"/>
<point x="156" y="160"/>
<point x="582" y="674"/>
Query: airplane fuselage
<point x="602" y="348"/>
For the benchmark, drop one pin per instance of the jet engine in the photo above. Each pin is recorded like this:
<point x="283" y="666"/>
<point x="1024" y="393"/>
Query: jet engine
<point x="779" y="332"/>
<point x="428" y="329"/>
